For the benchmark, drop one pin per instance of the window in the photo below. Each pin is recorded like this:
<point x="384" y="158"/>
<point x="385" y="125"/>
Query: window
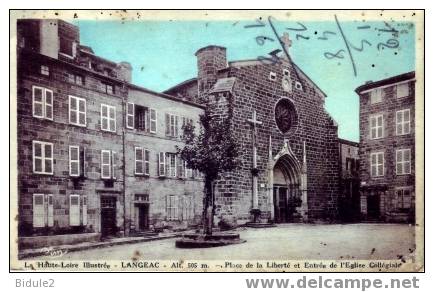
<point x="376" y="126"/>
<point x="75" y="79"/>
<point x="272" y="76"/>
<point x="38" y="210"/>
<point x="152" y="121"/>
<point x="141" y="161"/>
<point x="45" y="70"/>
<point x="181" y="167"/>
<point x="108" y="164"/>
<point x="286" y="72"/>
<point x="42" y="100"/>
<point x="298" y="85"/>
<point x="403" y="199"/>
<point x="77" y="111"/>
<point x="161" y="164"/>
<point x="171" y="125"/>
<point x="141" y="118"/>
<point x="108" y="118"/>
<point x="402" y="90"/>
<point x="403" y="122"/>
<point x="377" y="164"/>
<point x="403" y="161"/>
<point x="43" y="210"/>
<point x="172" y="207"/>
<point x="140" y="113"/>
<point x="42" y="157"/>
<point x="187" y="207"/>
<point x="108" y="88"/>
<point x="74" y="160"/>
<point x="66" y="46"/>
<point x="188" y="171"/>
<point x="171" y="164"/>
<point x="74" y="210"/>
<point x="376" y="95"/>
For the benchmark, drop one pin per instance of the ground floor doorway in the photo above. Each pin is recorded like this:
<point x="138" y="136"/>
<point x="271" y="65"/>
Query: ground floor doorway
<point x="108" y="216"/>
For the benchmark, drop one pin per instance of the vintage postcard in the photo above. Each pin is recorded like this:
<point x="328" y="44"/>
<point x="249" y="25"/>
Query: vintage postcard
<point x="220" y="141"/>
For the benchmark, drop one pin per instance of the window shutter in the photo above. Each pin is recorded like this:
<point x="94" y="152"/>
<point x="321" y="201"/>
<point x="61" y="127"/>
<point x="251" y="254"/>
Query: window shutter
<point x="48" y="104"/>
<point x="37" y="157"/>
<point x="373" y="165"/>
<point x="138" y="160"/>
<point x="146" y="162"/>
<point x="161" y="164"/>
<point x="48" y="155"/>
<point x="399" y="123"/>
<point x="176" y="127"/>
<point x="74" y="210"/>
<point x="82" y="111"/>
<point x="373" y="126"/>
<point x="167" y="125"/>
<point x="153" y="120"/>
<point x="113" y="164"/>
<point x="176" y="209"/>
<point x="380" y="164"/>
<point x="407" y="159"/>
<point x="38" y="210"/>
<point x="112" y="118"/>
<point x="84" y="210"/>
<point x="38" y="108"/>
<point x="83" y="162"/>
<point x="130" y="115"/>
<point x="167" y="207"/>
<point x="50" y="211"/>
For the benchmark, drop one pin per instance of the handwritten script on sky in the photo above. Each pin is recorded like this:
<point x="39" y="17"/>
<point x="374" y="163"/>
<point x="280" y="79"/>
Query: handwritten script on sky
<point x="337" y="55"/>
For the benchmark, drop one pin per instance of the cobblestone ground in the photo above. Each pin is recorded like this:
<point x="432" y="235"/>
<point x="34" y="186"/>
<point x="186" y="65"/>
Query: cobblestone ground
<point x="284" y="242"/>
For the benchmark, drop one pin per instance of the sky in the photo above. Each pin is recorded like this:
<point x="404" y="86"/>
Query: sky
<point x="338" y="56"/>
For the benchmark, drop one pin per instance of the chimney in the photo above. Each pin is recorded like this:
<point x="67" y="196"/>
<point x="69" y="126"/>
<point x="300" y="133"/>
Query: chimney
<point x="209" y="60"/>
<point x="124" y="71"/>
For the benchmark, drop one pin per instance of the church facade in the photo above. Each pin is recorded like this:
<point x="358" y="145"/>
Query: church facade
<point x="289" y="168"/>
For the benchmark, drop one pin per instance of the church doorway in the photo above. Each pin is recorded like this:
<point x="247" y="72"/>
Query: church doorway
<point x="286" y="192"/>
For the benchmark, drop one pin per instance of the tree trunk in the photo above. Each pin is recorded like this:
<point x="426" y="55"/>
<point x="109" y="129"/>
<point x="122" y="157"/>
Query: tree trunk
<point x="208" y="208"/>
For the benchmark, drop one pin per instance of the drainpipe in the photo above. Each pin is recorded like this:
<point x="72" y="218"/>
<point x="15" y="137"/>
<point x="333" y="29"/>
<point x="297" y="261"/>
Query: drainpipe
<point x="124" y="160"/>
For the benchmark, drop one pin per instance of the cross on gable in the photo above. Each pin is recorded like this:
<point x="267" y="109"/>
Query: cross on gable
<point x="286" y="41"/>
<point x="253" y="120"/>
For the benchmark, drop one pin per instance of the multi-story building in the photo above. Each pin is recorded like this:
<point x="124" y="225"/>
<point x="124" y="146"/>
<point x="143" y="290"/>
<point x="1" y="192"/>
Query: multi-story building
<point x="163" y="190"/>
<point x="95" y="152"/>
<point x="349" y="204"/>
<point x="387" y="148"/>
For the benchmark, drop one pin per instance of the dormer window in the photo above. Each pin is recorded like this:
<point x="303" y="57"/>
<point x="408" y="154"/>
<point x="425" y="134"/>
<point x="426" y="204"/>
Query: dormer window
<point x="108" y="88"/>
<point x="273" y="76"/>
<point x="67" y="46"/>
<point x="45" y="70"/>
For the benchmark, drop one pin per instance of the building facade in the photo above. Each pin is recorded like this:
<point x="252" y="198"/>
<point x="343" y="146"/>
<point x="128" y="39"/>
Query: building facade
<point x="349" y="204"/>
<point x="94" y="153"/>
<point x="289" y="146"/>
<point x="387" y="149"/>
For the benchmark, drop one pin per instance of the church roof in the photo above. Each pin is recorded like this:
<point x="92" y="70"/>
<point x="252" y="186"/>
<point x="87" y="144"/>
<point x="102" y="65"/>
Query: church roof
<point x="242" y="63"/>
<point x="223" y="85"/>
<point x="306" y="78"/>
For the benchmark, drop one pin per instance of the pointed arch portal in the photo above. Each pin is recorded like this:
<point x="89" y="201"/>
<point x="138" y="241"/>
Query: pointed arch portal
<point x="286" y="178"/>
